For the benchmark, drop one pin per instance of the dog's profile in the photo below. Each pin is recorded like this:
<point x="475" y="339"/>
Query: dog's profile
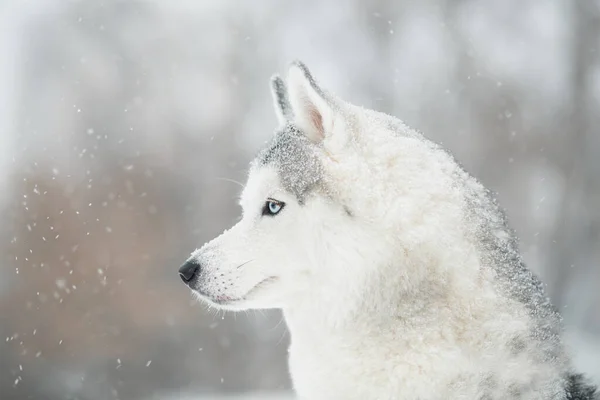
<point x="395" y="269"/>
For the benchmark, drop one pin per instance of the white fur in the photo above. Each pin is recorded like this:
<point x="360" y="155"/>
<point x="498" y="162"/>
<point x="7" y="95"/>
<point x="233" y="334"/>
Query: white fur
<point x="390" y="302"/>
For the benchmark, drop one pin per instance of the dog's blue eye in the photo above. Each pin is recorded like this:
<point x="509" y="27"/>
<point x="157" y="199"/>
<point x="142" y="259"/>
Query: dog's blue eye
<point x="272" y="207"/>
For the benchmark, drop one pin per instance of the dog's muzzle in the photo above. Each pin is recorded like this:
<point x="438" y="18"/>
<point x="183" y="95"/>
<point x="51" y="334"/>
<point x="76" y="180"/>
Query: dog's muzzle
<point x="189" y="271"/>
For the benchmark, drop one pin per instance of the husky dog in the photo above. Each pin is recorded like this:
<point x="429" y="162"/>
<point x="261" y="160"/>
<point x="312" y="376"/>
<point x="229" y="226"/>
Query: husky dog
<point x="395" y="269"/>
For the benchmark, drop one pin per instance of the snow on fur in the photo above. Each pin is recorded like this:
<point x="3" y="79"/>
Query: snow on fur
<point x="396" y="270"/>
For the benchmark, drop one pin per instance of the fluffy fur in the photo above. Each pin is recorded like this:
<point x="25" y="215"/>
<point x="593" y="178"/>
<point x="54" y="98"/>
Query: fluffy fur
<point x="395" y="269"/>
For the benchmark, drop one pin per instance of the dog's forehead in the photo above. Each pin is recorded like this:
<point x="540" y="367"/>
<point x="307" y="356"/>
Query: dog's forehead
<point x="262" y="182"/>
<point x="294" y="159"/>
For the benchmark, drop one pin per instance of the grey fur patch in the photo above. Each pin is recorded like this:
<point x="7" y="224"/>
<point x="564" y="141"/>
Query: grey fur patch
<point x="487" y="385"/>
<point x="294" y="157"/>
<point x="499" y="252"/>
<point x="515" y="392"/>
<point x="579" y="389"/>
<point x="517" y="345"/>
<point x="280" y="96"/>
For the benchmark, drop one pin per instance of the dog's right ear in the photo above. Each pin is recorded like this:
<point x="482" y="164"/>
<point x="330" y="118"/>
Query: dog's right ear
<point x="314" y="110"/>
<point x="283" y="109"/>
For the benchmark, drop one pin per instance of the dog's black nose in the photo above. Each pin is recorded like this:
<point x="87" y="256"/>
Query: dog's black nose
<point x="189" y="270"/>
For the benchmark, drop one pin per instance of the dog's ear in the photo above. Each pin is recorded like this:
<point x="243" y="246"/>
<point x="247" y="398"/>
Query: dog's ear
<point x="314" y="110"/>
<point x="283" y="109"/>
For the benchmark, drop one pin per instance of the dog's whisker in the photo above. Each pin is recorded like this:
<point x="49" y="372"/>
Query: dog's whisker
<point x="241" y="265"/>
<point x="231" y="180"/>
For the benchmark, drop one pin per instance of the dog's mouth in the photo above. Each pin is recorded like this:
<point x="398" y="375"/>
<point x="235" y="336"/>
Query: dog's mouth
<point x="224" y="300"/>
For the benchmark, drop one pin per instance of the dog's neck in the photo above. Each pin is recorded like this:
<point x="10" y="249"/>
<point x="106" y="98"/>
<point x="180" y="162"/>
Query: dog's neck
<point x="318" y="318"/>
<point x="383" y="308"/>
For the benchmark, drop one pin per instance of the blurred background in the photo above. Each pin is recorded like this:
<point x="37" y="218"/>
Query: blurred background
<point x="122" y="124"/>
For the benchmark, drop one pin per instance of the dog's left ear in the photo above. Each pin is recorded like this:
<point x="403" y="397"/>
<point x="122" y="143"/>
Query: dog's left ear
<point x="314" y="111"/>
<point x="283" y="109"/>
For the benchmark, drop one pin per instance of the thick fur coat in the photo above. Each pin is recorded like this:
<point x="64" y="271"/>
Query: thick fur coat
<point x="396" y="270"/>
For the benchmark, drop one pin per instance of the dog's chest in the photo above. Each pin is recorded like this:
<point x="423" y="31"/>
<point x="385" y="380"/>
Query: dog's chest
<point x="355" y="371"/>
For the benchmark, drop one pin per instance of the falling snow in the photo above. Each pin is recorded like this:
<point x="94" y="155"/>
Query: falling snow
<point x="116" y="135"/>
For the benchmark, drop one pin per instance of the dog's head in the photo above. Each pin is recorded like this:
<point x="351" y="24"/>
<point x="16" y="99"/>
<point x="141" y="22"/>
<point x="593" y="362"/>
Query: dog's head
<point x="320" y="217"/>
